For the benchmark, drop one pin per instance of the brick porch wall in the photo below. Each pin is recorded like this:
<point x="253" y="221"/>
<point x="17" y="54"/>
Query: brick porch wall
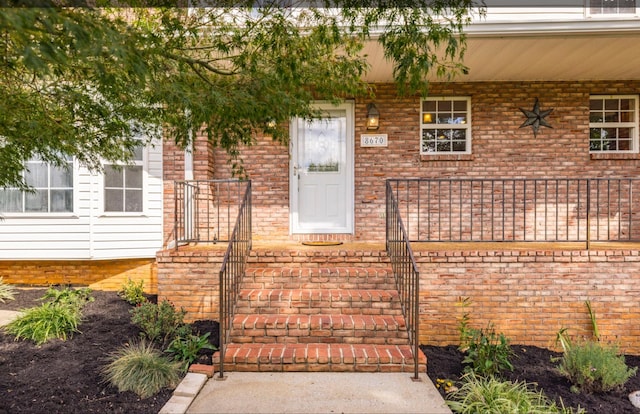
<point x="531" y="295"/>
<point x="189" y="278"/>
<point x="500" y="149"/>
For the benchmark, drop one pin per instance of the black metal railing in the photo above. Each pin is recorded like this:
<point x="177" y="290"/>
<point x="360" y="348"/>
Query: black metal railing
<point x="405" y="271"/>
<point x="232" y="271"/>
<point x="206" y="210"/>
<point x="519" y="210"/>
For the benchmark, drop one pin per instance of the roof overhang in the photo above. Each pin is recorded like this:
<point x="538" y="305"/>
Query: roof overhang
<point x="540" y="51"/>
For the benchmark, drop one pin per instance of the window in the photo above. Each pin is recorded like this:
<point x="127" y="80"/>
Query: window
<point x="612" y="7"/>
<point x="53" y="190"/>
<point x="613" y="124"/>
<point x="123" y="185"/>
<point x="446" y="125"/>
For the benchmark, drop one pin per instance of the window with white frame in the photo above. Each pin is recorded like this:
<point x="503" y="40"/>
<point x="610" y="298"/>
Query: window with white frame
<point x="123" y="185"/>
<point x="608" y="7"/>
<point x="445" y="125"/>
<point x="613" y="123"/>
<point x="52" y="189"/>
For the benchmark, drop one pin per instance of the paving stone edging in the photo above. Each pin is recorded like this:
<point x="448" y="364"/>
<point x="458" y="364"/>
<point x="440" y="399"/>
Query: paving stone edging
<point x="185" y="393"/>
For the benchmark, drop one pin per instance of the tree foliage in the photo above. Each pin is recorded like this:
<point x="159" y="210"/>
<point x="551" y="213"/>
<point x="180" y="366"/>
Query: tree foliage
<point x="86" y="81"/>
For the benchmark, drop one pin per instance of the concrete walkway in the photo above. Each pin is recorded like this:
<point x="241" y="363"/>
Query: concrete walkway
<point x="7" y="316"/>
<point x="300" y="392"/>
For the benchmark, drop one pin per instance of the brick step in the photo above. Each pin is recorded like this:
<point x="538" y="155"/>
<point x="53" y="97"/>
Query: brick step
<point x="319" y="301"/>
<point x="314" y="259"/>
<point x="351" y="329"/>
<point x="320" y="357"/>
<point x="327" y="277"/>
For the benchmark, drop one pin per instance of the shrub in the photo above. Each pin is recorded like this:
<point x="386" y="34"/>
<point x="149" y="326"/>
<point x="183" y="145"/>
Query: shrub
<point x="72" y="297"/>
<point x="47" y="321"/>
<point x="186" y="348"/>
<point x="141" y="368"/>
<point x="7" y="291"/>
<point x="133" y="292"/>
<point x="490" y="395"/>
<point x="594" y="367"/>
<point x="486" y="352"/>
<point x="160" y="323"/>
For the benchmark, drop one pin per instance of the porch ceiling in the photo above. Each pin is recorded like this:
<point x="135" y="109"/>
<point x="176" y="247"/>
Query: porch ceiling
<point x="539" y="56"/>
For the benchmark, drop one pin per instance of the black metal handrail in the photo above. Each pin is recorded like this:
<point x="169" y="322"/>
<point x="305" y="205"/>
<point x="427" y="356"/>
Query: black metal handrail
<point x="205" y="210"/>
<point x="232" y="271"/>
<point x="520" y="210"/>
<point x="405" y="271"/>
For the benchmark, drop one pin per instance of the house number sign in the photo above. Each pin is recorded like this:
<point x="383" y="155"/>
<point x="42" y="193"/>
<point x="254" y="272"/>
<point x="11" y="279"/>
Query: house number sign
<point x="373" y="140"/>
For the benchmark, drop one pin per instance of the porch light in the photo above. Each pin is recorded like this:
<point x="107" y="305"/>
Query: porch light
<point x="373" y="117"/>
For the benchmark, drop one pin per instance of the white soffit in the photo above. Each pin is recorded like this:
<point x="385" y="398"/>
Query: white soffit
<point x="539" y="52"/>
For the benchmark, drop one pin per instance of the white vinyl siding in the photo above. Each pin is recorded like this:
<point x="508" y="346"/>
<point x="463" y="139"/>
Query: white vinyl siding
<point x="89" y="233"/>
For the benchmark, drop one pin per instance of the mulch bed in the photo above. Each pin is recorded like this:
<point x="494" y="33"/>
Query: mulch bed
<point x="64" y="376"/>
<point x="534" y="365"/>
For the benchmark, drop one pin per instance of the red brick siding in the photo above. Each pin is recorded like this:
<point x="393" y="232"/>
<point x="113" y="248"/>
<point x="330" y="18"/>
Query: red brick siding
<point x="500" y="148"/>
<point x="190" y="280"/>
<point x="101" y="274"/>
<point x="531" y="295"/>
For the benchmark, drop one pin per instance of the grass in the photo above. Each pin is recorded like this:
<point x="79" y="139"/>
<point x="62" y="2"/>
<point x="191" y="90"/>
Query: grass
<point x="492" y="395"/>
<point x="7" y="291"/>
<point x="142" y="369"/>
<point x="45" y="322"/>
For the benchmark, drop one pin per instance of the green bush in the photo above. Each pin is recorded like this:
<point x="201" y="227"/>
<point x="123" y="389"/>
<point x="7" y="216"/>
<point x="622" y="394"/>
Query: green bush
<point x="186" y="348"/>
<point x="486" y="352"/>
<point x="7" y="291"/>
<point x="141" y="368"/>
<point x="479" y="395"/>
<point x="47" y="321"/>
<point x="67" y="296"/>
<point x="133" y="292"/>
<point x="594" y="367"/>
<point x="160" y="323"/>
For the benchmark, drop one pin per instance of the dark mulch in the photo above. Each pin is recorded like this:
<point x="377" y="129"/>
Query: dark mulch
<point x="64" y="376"/>
<point x="534" y="365"/>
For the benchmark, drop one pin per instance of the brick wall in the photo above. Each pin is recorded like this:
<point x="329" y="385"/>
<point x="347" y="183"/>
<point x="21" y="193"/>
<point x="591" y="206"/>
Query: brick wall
<point x="98" y="274"/>
<point x="189" y="278"/>
<point x="530" y="295"/>
<point x="500" y="148"/>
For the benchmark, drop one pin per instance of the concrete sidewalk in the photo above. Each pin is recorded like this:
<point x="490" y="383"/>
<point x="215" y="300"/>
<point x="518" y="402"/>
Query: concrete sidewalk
<point x="299" y="392"/>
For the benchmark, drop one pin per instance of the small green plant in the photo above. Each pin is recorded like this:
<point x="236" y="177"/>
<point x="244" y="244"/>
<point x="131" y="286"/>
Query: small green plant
<point x="67" y="296"/>
<point x="491" y="395"/>
<point x="141" y="368"/>
<point x="486" y="352"/>
<point x="160" y="323"/>
<point x="594" y="367"/>
<point x="133" y="292"/>
<point x="45" y="322"/>
<point x="187" y="348"/>
<point x="7" y="291"/>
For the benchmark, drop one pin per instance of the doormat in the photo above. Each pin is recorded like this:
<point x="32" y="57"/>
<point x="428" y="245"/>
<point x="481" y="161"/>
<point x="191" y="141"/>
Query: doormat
<point x="322" y="243"/>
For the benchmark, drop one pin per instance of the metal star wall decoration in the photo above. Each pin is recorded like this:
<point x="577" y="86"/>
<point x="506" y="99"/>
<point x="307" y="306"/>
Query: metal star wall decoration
<point x="535" y="118"/>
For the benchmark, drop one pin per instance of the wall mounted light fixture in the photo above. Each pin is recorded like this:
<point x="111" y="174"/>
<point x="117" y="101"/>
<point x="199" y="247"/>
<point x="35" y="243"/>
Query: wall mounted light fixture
<point x="373" y="117"/>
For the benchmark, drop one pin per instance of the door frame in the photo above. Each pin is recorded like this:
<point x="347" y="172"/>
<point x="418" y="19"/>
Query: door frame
<point x="349" y="107"/>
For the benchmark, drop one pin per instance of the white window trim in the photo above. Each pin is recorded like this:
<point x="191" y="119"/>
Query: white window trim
<point x="634" y="125"/>
<point x="466" y="126"/>
<point x="52" y="215"/>
<point x="145" y="193"/>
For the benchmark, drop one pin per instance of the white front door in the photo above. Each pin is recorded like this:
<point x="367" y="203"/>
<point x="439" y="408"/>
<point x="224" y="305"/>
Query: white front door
<point x="321" y="172"/>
